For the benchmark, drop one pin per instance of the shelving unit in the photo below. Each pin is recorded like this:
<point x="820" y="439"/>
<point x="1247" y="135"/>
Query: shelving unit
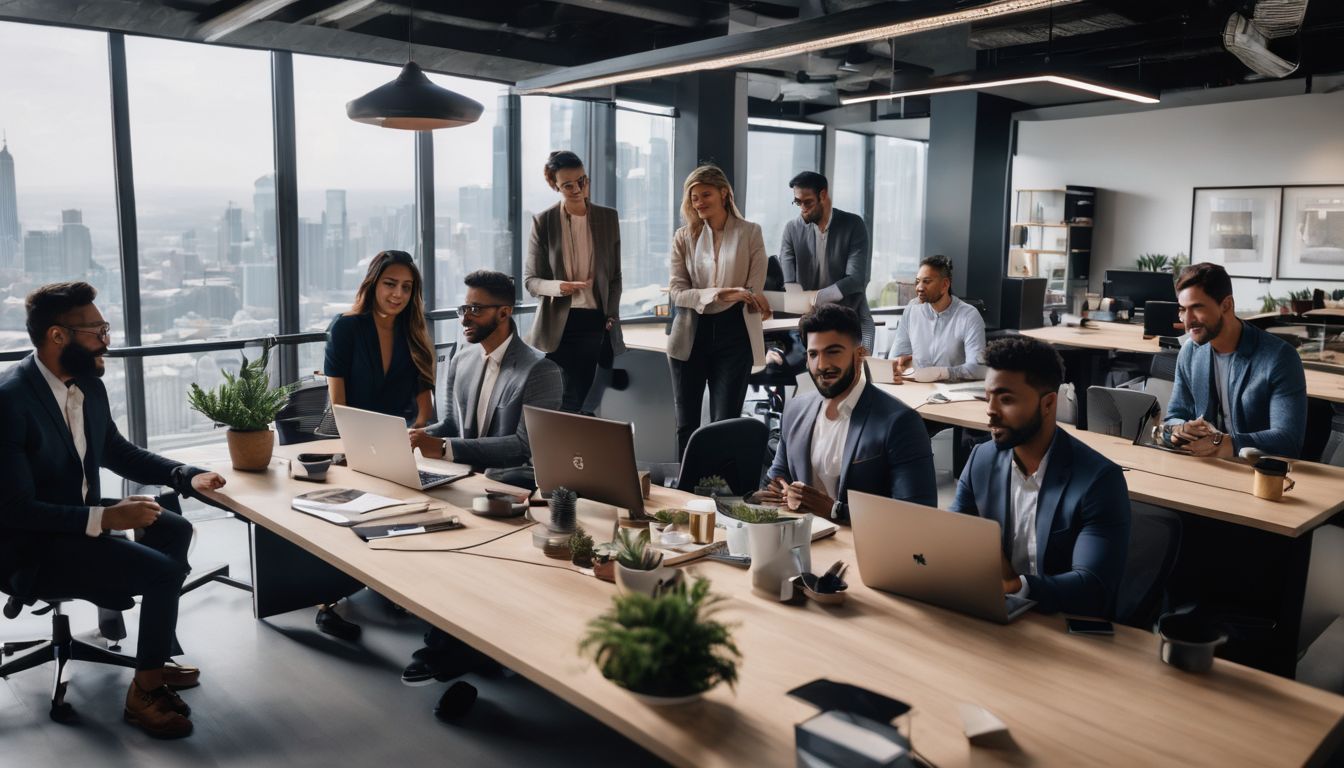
<point x="1051" y="237"/>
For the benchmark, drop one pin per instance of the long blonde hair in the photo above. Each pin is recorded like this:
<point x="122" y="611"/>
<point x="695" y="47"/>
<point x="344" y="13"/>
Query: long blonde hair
<point x="422" y="351"/>
<point x="714" y="176"/>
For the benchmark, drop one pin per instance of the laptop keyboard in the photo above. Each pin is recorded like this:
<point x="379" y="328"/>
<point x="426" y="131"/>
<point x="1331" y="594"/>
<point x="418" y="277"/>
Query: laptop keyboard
<point x="431" y="477"/>
<point x="1015" y="603"/>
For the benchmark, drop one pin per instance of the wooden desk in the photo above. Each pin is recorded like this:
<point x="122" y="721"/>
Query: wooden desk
<point x="1324" y="385"/>
<point x="1067" y="699"/>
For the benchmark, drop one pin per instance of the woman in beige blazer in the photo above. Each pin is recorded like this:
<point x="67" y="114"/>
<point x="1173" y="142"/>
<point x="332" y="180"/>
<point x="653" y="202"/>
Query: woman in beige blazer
<point x="718" y="274"/>
<point x="574" y="269"/>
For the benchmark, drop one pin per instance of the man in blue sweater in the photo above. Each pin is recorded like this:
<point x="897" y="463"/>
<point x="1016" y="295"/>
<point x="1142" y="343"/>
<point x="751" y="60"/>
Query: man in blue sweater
<point x="1236" y="386"/>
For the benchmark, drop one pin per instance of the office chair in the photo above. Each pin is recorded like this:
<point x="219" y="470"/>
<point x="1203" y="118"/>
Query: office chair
<point x="301" y="419"/>
<point x="1121" y="412"/>
<point x="774" y="274"/>
<point x="732" y="449"/>
<point x="1334" y="445"/>
<point x="1162" y="377"/>
<point x="1154" y="542"/>
<point x="62" y="647"/>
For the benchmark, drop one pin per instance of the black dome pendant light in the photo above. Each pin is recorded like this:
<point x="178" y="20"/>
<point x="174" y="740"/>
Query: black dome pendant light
<point x="412" y="102"/>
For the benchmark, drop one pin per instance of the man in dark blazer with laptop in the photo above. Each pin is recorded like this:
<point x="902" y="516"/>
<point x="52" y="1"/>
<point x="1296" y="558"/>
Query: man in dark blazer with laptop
<point x="58" y="434"/>
<point x="1063" y="507"/>
<point x="848" y="435"/>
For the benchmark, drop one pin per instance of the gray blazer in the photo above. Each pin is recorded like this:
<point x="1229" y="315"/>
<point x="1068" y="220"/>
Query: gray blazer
<point x="741" y="265"/>
<point x="849" y="261"/>
<point x="526" y="377"/>
<point x="545" y="268"/>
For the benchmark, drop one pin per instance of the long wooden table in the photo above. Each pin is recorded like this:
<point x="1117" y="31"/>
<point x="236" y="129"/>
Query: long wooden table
<point x="1067" y="699"/>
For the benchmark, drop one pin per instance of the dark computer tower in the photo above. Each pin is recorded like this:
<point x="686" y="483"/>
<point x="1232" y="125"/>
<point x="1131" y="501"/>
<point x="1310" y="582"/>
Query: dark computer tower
<point x="1023" y="305"/>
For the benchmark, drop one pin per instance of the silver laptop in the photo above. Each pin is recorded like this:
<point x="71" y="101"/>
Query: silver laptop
<point x="948" y="559"/>
<point x="376" y="444"/>
<point x="593" y="457"/>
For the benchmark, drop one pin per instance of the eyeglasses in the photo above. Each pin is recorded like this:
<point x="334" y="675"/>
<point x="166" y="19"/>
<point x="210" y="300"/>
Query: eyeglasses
<point x="575" y="185"/>
<point x="476" y="310"/>
<point x="804" y="203"/>
<point x="104" y="329"/>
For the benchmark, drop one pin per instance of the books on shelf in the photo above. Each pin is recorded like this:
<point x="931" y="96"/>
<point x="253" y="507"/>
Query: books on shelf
<point x="348" y="506"/>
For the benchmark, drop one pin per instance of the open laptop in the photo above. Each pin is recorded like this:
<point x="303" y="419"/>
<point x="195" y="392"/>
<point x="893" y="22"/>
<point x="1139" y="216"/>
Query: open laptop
<point x="376" y="444"/>
<point x="593" y="457"/>
<point x="935" y="556"/>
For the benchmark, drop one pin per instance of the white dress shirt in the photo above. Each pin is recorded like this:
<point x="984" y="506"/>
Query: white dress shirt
<point x="951" y="339"/>
<point x="577" y="246"/>
<point x="828" y="440"/>
<point x="1025" y="491"/>
<point x="488" y="379"/>
<point x="823" y="268"/>
<point x="70" y="401"/>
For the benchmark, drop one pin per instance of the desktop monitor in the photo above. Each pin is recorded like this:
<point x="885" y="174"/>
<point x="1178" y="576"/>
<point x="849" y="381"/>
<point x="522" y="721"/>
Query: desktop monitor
<point x="593" y="457"/>
<point x="1140" y="286"/>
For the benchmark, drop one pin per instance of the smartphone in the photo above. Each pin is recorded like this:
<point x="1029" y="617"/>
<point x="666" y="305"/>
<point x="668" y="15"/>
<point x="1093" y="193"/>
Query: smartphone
<point x="1089" y="627"/>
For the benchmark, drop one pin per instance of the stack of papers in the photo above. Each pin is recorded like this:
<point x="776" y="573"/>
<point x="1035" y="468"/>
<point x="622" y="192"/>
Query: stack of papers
<point x="793" y="300"/>
<point x="348" y="506"/>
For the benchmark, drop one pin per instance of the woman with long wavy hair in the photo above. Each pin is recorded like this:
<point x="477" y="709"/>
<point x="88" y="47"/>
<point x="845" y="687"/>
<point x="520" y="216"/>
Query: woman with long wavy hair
<point x="717" y="278"/>
<point x="379" y="356"/>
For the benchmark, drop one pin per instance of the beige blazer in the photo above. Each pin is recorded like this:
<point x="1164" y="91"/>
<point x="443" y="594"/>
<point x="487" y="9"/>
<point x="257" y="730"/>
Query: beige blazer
<point x="545" y="269"/>
<point x="742" y="262"/>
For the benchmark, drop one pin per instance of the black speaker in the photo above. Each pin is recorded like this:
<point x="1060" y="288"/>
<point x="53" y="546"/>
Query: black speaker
<point x="1023" y="305"/>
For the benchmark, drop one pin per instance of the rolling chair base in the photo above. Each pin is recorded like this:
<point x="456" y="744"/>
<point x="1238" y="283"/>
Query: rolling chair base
<point x="61" y="648"/>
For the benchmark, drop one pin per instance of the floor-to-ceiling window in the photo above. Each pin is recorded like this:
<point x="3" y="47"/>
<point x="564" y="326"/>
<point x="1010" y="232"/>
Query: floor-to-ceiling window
<point x="898" y="215"/>
<point x="775" y="154"/>
<point x="647" y="199"/>
<point x="849" y="183"/>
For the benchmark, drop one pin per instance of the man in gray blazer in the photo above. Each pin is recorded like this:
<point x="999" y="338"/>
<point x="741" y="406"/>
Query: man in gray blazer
<point x="482" y="426"/>
<point x="827" y="250"/>
<point x="483" y="420"/>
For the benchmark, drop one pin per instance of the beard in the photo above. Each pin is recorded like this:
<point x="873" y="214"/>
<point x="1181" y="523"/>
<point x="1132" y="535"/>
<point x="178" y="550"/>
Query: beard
<point x="80" y="362"/>
<point x="1011" y="437"/>
<point x="1211" y="332"/>
<point x="930" y="298"/>
<point x="841" y="384"/>
<point x="481" y="331"/>
<point x="814" y="217"/>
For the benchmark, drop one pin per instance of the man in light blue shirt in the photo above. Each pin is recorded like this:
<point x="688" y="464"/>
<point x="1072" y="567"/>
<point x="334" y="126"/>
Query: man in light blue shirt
<point x="940" y="334"/>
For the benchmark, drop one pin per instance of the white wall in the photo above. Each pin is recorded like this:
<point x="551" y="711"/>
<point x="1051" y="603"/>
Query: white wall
<point x="1147" y="164"/>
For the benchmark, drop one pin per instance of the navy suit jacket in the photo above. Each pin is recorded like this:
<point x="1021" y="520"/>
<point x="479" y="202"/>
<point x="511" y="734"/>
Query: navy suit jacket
<point x="1082" y="522"/>
<point x="887" y="451"/>
<point x="40" y="475"/>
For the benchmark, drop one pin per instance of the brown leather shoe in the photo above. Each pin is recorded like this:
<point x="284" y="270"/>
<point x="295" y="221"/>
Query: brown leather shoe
<point x="181" y="676"/>
<point x="154" y="713"/>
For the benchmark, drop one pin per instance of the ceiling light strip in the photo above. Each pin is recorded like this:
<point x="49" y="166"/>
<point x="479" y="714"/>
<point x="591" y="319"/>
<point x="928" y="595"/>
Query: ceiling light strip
<point x="898" y="29"/>
<point x="1069" y="82"/>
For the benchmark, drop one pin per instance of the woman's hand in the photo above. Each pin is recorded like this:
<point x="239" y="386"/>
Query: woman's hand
<point x="734" y="295"/>
<point x="570" y="287"/>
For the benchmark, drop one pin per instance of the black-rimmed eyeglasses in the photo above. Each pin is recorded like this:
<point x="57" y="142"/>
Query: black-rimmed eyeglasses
<point x="476" y="310"/>
<point x="575" y="185"/>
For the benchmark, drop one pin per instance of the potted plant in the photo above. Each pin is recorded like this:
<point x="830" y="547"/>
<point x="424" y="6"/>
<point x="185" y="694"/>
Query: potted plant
<point x="1152" y="262"/>
<point x="736" y="517"/>
<point x="638" y="565"/>
<point x="667" y="649"/>
<point x="581" y="548"/>
<point x="604" y="562"/>
<point x="713" y="486"/>
<point x="1300" y="301"/>
<point x="246" y="404"/>
<point x="1178" y="262"/>
<point x="1269" y="304"/>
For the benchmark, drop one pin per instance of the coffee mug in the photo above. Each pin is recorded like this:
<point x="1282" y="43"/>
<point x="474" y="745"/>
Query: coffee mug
<point x="1271" y="479"/>
<point x="315" y="465"/>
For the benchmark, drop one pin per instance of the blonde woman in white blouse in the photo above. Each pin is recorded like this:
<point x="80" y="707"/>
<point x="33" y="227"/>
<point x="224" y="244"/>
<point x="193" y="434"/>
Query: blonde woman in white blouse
<point x="718" y="274"/>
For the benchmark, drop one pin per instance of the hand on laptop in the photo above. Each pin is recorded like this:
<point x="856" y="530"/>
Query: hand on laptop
<point x="898" y="366"/>
<point x="430" y="447"/>
<point x="1012" y="583"/>
<point x="802" y="497"/>
<point x="774" y="492"/>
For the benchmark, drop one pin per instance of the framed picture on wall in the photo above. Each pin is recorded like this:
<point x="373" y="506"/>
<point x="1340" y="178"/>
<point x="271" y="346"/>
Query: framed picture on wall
<point x="1237" y="227"/>
<point x="1311" y="239"/>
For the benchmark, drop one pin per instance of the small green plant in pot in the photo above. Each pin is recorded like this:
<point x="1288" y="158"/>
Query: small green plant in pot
<point x="1152" y="262"/>
<point x="638" y="564"/>
<point x="1300" y="301"/>
<point x="246" y="404"/>
<point x="666" y="649"/>
<point x="713" y="486"/>
<point x="581" y="548"/>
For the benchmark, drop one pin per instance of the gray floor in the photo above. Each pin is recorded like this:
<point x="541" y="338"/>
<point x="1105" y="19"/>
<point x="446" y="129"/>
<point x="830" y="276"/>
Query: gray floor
<point x="278" y="692"/>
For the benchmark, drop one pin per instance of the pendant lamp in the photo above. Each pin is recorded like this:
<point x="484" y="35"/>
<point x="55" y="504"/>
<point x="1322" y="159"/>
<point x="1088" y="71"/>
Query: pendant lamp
<point x="413" y="103"/>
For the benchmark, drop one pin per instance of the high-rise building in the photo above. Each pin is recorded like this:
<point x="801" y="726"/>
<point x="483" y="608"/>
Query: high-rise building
<point x="263" y="214"/>
<point x="42" y="253"/>
<point x="336" y="246"/>
<point x="76" y="243"/>
<point x="9" y="210"/>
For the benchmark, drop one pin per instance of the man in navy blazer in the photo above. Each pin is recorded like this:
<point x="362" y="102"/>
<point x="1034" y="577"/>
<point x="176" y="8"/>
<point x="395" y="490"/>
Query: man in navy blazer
<point x="1236" y="386"/>
<point x="848" y="435"/>
<point x="1063" y="507"/>
<point x="58" y="433"/>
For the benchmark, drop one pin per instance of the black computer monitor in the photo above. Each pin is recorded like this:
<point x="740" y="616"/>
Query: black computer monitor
<point x="1140" y="286"/>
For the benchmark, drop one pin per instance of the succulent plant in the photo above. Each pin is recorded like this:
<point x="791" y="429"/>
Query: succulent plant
<point x="672" y="517"/>
<point x="753" y="515"/>
<point x="634" y="552"/>
<point x="581" y="548"/>
<point x="713" y="485"/>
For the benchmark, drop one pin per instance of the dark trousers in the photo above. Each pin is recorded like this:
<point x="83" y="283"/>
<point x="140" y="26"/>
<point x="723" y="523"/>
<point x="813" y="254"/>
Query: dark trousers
<point x="577" y="354"/>
<point x="108" y="571"/>
<point x="720" y="357"/>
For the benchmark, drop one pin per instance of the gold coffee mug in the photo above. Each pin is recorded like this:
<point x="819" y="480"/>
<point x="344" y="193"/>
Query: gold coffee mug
<point x="1271" y="479"/>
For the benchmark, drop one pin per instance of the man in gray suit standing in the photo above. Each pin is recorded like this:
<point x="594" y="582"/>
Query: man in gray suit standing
<point x="482" y="426"/>
<point x="483" y="419"/>
<point x="827" y="250"/>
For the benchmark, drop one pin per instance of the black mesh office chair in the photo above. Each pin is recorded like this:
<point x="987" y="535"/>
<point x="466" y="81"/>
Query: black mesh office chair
<point x="300" y="421"/>
<point x="732" y="449"/>
<point x="62" y="647"/>
<point x="1154" y="541"/>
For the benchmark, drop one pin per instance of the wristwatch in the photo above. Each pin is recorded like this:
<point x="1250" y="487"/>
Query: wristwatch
<point x="443" y="449"/>
<point x="838" y="508"/>
<point x="1218" y="438"/>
